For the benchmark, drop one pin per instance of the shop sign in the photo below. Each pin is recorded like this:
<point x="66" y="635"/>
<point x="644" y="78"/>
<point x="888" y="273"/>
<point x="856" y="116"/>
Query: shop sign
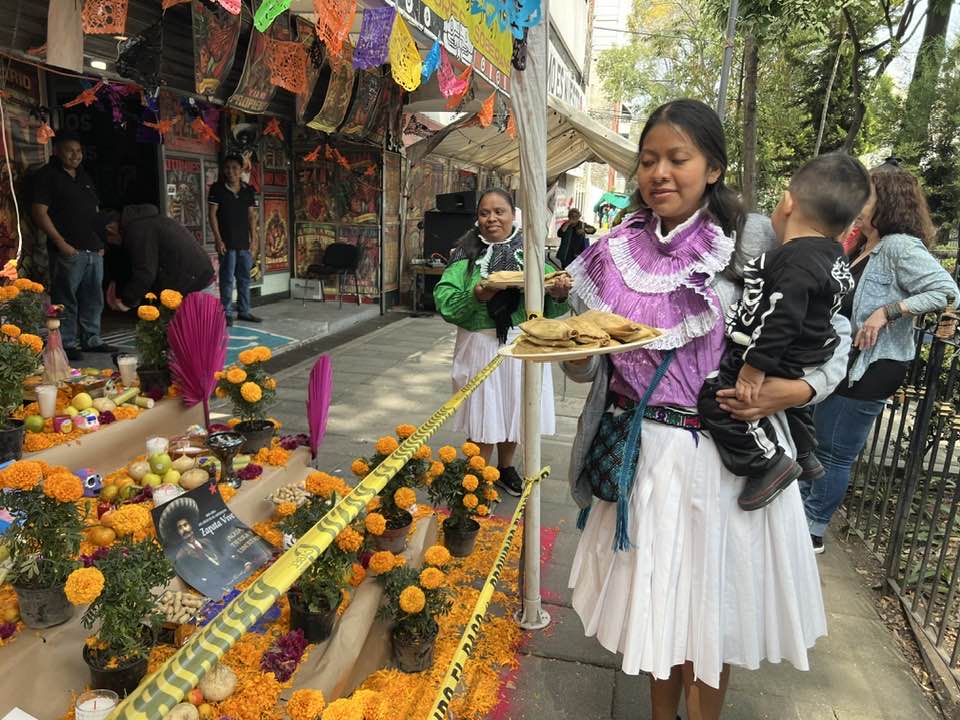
<point x="561" y="82"/>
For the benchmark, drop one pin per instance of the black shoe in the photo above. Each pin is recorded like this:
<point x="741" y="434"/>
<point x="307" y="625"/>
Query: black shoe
<point x="74" y="354"/>
<point x="510" y="481"/>
<point x="760" y="491"/>
<point x="811" y="467"/>
<point x="817" y="541"/>
<point x="247" y="317"/>
<point x="229" y="320"/>
<point x="101" y="348"/>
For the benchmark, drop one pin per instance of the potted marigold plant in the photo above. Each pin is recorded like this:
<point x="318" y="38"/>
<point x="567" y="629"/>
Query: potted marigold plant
<point x="252" y="390"/>
<point x="19" y="359"/>
<point x="465" y="486"/>
<point x="414" y="599"/>
<point x="320" y="590"/>
<point x="153" y="367"/>
<point x="393" y="503"/>
<point x="122" y="586"/>
<point x="44" y="539"/>
<point x="23" y="305"/>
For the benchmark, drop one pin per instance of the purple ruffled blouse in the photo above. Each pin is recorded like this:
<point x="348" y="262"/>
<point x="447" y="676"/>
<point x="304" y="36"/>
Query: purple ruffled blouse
<point x="663" y="281"/>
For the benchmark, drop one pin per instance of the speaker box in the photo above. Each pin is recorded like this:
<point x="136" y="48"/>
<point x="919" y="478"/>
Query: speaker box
<point x="458" y="201"/>
<point x="441" y="230"/>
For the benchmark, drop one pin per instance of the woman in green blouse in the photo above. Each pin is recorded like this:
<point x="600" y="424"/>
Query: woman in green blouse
<point x="486" y="319"/>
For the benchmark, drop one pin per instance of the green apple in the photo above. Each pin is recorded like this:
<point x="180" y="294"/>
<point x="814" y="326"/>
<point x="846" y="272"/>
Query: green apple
<point x="160" y="463"/>
<point x="152" y="479"/>
<point x="109" y="493"/>
<point x="172" y="477"/>
<point x="71" y="411"/>
<point x="34" y="423"/>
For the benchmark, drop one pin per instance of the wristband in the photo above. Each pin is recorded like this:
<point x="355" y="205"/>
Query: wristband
<point x="892" y="311"/>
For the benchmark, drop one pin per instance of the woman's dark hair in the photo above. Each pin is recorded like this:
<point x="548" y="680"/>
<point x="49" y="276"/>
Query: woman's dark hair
<point x="702" y="125"/>
<point x="470" y="245"/>
<point x="901" y="206"/>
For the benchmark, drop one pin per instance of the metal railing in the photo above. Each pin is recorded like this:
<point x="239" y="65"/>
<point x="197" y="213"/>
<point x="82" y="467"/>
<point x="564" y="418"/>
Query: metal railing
<point x="904" y="500"/>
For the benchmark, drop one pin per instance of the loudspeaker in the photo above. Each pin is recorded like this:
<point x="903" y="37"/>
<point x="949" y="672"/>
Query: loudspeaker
<point x="441" y="230"/>
<point x="458" y="201"/>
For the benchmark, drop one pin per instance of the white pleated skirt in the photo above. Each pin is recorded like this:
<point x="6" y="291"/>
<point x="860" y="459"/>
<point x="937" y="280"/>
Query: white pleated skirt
<point x="492" y="414"/>
<point x="703" y="581"/>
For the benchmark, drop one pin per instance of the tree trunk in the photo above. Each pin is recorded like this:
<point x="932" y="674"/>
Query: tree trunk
<point x="923" y="83"/>
<point x="826" y="99"/>
<point x="751" y="52"/>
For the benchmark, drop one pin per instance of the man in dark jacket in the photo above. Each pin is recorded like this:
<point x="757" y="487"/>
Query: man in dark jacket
<point x="163" y="254"/>
<point x="573" y="237"/>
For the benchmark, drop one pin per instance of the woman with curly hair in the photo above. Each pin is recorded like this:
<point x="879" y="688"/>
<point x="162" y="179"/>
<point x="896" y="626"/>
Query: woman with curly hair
<point x="896" y="279"/>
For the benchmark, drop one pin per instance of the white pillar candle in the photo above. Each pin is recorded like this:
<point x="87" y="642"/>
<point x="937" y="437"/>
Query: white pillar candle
<point x="95" y="705"/>
<point x="128" y="369"/>
<point x="47" y="399"/>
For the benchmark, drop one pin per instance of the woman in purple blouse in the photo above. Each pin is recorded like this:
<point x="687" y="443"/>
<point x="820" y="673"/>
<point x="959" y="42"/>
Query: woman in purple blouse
<point x="676" y="576"/>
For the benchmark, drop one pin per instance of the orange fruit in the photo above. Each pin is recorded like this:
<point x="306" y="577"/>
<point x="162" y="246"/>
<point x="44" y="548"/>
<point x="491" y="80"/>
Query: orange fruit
<point x="101" y="536"/>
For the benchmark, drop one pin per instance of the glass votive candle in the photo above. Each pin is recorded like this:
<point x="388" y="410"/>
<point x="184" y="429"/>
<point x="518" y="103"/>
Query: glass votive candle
<point x="157" y="446"/>
<point x="47" y="400"/>
<point x="128" y="369"/>
<point x="95" y="705"/>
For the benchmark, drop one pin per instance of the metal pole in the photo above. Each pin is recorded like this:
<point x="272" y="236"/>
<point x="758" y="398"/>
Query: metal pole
<point x="727" y="58"/>
<point x="529" y="93"/>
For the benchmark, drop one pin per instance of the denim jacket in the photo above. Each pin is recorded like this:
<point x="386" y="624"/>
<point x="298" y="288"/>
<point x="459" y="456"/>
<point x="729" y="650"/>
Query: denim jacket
<point x="900" y="269"/>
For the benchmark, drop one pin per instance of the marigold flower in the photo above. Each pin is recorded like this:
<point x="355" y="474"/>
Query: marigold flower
<point x="349" y="540"/>
<point x="404" y="498"/>
<point x="386" y="445"/>
<point x="436" y="469"/>
<point x="373" y="504"/>
<point x="219" y="375"/>
<point x="490" y="474"/>
<point x="148" y="313"/>
<point x="470" y="483"/>
<point x="128" y="519"/>
<point x="270" y="383"/>
<point x="150" y="296"/>
<point x="382" y="562"/>
<point x="469" y="450"/>
<point x="11" y="331"/>
<point x="436" y="555"/>
<point x="432" y="578"/>
<point x="447" y="454"/>
<point x="22" y="475"/>
<point x="483" y="510"/>
<point x="323" y="484"/>
<point x="220" y="392"/>
<point x="343" y="709"/>
<point x="305" y="705"/>
<point x="171" y="299"/>
<point x="357" y="575"/>
<point x="236" y="375"/>
<point x="359" y="468"/>
<point x="251" y="392"/>
<point x="84" y="585"/>
<point x="477" y="463"/>
<point x="23" y="284"/>
<point x="263" y="353"/>
<point x="247" y="357"/>
<point x="226" y="492"/>
<point x="404" y="431"/>
<point x="233" y="422"/>
<point x="423" y="453"/>
<point x="490" y="494"/>
<point x="37" y="288"/>
<point x="12" y="291"/>
<point x="32" y="341"/>
<point x="470" y="501"/>
<point x="412" y="600"/>
<point x="64" y="487"/>
<point x="286" y="509"/>
<point x="375" y="523"/>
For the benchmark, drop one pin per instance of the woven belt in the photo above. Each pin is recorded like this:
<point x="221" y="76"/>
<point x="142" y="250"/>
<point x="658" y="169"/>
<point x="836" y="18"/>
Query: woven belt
<point x="660" y="413"/>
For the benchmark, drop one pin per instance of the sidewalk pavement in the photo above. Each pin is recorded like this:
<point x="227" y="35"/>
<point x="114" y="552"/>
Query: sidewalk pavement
<point x="401" y="373"/>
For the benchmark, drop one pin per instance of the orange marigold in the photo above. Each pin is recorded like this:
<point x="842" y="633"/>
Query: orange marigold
<point x="84" y="585"/>
<point x="405" y="498"/>
<point x="251" y="392"/>
<point x="233" y="422"/>
<point x="470" y="501"/>
<point x="171" y="299"/>
<point x="490" y="494"/>
<point x="220" y="392"/>
<point x="375" y="523"/>
<point x="10" y="292"/>
<point x="286" y="509"/>
<point x="477" y="463"/>
<point x="382" y="562"/>
<point x="404" y="431"/>
<point x="373" y="504"/>
<point x="343" y="709"/>
<point x="32" y="341"/>
<point x="469" y="450"/>
<point x="470" y="483"/>
<point x="436" y="555"/>
<point x="22" y="475"/>
<point x="386" y="445"/>
<point x="270" y="383"/>
<point x="349" y="540"/>
<point x="447" y="454"/>
<point x="423" y="453"/>
<point x="150" y="296"/>
<point x="357" y="574"/>
<point x="412" y="600"/>
<point x="247" y="357"/>
<point x="432" y="578"/>
<point x="148" y="313"/>
<point x="490" y="474"/>
<point x="236" y="375"/>
<point x="11" y="331"/>
<point x="436" y="469"/>
<point x="483" y="510"/>
<point x="64" y="487"/>
<point x="322" y="484"/>
<point x="226" y="492"/>
<point x="23" y="283"/>
<point x="263" y="353"/>
<point x="130" y="518"/>
<point x="359" y="468"/>
<point x="305" y="705"/>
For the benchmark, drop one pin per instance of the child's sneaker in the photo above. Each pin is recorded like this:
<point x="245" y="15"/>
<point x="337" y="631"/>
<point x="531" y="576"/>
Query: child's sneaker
<point x="760" y="491"/>
<point x="817" y="541"/>
<point x="811" y="467"/>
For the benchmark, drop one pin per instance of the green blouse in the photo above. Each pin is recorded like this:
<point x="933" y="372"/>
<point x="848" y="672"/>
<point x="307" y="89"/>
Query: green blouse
<point x="457" y="304"/>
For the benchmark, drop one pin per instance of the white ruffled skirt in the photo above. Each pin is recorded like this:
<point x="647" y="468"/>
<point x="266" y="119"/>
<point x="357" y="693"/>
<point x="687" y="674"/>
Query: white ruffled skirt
<point x="492" y="414"/>
<point x="704" y="581"/>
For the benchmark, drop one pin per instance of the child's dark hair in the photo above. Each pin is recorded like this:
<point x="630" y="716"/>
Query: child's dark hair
<point x="470" y="245"/>
<point x="702" y="125"/>
<point x="830" y="191"/>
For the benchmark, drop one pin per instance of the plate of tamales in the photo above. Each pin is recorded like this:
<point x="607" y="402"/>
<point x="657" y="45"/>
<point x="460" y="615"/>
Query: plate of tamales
<point x="578" y="337"/>
<point x="505" y="279"/>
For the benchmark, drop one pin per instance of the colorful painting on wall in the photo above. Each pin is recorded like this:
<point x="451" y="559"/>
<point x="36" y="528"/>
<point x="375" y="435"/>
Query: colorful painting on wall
<point x="311" y="240"/>
<point x="184" y="190"/>
<point x="342" y="186"/>
<point x="255" y="91"/>
<point x="182" y="137"/>
<point x="276" y="234"/>
<point x="215" y="36"/>
<point x="307" y="35"/>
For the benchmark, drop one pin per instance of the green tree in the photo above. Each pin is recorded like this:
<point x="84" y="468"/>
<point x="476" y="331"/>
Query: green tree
<point x="940" y="165"/>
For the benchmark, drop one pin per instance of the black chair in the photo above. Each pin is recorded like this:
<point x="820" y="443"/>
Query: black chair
<point x="340" y="259"/>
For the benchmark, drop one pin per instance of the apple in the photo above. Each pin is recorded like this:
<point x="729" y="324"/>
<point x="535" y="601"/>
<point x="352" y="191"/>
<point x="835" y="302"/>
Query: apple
<point x="160" y="463"/>
<point x="171" y="477"/>
<point x="34" y="423"/>
<point x="71" y="411"/>
<point x="195" y="697"/>
<point x="152" y="479"/>
<point x="206" y="711"/>
<point x="82" y="401"/>
<point x="138" y="469"/>
<point x="109" y="493"/>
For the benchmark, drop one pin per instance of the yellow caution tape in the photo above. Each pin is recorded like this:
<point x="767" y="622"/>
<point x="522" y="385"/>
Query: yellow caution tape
<point x="165" y="687"/>
<point x="441" y="705"/>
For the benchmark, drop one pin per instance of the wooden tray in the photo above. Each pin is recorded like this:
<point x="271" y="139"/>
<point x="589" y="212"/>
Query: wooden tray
<point x="567" y="354"/>
<point x="501" y="285"/>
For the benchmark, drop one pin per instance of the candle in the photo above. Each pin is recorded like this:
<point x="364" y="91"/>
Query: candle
<point x="128" y="369"/>
<point x="95" y="705"/>
<point x="157" y="446"/>
<point x="47" y="399"/>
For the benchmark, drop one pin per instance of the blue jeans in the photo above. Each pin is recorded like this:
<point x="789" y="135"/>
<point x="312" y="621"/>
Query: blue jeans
<point x="236" y="263"/>
<point x="842" y="428"/>
<point x="78" y="286"/>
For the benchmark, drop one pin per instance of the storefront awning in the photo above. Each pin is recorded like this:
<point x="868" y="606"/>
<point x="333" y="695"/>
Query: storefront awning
<point x="573" y="138"/>
<point x="618" y="200"/>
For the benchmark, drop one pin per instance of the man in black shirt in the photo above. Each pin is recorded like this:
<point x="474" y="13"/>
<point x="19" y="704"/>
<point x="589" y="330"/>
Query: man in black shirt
<point x="573" y="237"/>
<point x="65" y="207"/>
<point x="233" y="219"/>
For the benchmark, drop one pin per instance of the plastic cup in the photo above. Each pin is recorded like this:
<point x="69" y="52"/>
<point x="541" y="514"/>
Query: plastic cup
<point x="47" y="400"/>
<point x="128" y="369"/>
<point x="95" y="705"/>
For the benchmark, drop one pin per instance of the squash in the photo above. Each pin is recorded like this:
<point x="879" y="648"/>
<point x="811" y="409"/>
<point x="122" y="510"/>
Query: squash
<point x="183" y="711"/>
<point x="218" y="684"/>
